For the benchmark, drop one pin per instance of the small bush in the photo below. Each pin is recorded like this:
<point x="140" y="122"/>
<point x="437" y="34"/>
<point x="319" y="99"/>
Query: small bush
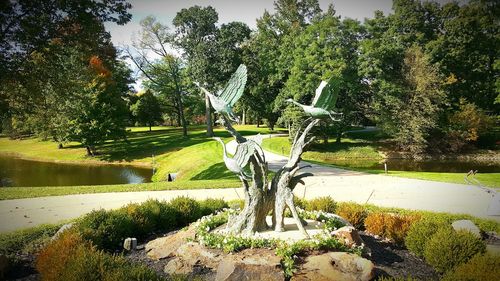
<point x="393" y="226"/>
<point x="188" y="210"/>
<point x="420" y="233"/>
<point x="209" y="206"/>
<point x="150" y="216"/>
<point x="375" y="223"/>
<point x="449" y="248"/>
<point x="353" y="213"/>
<point x="72" y="258"/>
<point x="325" y="204"/>
<point x="106" y="229"/>
<point x="53" y="258"/>
<point x="479" y="268"/>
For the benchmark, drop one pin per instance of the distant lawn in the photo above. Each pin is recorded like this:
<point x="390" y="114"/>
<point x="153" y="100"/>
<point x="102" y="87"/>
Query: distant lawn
<point x="31" y="192"/>
<point x="358" y="151"/>
<point x="348" y="149"/>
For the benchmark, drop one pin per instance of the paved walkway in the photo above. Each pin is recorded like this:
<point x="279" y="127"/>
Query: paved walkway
<point x="342" y="185"/>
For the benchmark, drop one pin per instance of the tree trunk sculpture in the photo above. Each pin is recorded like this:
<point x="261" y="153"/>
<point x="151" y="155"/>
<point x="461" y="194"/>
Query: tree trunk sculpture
<point x="263" y="196"/>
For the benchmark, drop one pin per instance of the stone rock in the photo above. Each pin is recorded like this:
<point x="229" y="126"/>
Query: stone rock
<point x="467" y="225"/>
<point x="61" y="230"/>
<point x="165" y="247"/>
<point x="4" y="266"/>
<point x="338" y="266"/>
<point x="130" y="244"/>
<point x="178" y="266"/>
<point x="250" y="264"/>
<point x="191" y="255"/>
<point x="350" y="236"/>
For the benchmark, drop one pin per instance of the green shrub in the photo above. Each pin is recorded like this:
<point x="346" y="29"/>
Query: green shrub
<point x="152" y="215"/>
<point x="72" y="258"/>
<point x="479" y="268"/>
<point x="325" y="204"/>
<point x="106" y="229"/>
<point x="353" y="213"/>
<point x="300" y="203"/>
<point x="448" y="248"/>
<point x="188" y="210"/>
<point x="209" y="206"/>
<point x="420" y="232"/>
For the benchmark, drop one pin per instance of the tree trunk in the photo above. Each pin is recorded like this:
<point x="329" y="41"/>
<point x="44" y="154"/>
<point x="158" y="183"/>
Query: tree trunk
<point x="208" y="116"/>
<point x="149" y="126"/>
<point x="244" y="117"/>
<point x="339" y="138"/>
<point x="89" y="152"/>
<point x="60" y="146"/>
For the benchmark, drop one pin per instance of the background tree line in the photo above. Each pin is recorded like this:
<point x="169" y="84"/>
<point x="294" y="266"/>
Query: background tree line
<point x="427" y="74"/>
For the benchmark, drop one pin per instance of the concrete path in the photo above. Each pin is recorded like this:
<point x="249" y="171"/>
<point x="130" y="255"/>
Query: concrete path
<point x="342" y="185"/>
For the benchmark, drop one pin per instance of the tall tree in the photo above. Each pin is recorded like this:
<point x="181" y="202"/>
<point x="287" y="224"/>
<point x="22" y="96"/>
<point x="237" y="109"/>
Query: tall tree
<point x="196" y="34"/>
<point x="165" y="74"/>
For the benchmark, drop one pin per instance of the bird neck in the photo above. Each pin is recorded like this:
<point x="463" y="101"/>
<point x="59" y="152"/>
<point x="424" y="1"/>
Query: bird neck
<point x="223" y="148"/>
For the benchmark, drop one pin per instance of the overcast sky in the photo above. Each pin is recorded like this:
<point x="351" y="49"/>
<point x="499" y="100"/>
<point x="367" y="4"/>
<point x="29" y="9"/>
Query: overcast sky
<point x="246" y="11"/>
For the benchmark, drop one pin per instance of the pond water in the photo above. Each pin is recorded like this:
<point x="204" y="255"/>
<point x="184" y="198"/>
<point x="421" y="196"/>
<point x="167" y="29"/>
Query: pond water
<point x="21" y="172"/>
<point x="444" y="166"/>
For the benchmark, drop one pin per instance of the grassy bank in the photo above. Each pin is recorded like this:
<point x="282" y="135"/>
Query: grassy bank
<point x="31" y="192"/>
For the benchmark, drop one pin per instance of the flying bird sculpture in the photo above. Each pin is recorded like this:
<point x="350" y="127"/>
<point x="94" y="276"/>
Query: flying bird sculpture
<point x="324" y="101"/>
<point x="240" y="158"/>
<point x="225" y="99"/>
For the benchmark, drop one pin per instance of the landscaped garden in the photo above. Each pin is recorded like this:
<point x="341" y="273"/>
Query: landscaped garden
<point x="166" y="140"/>
<point x="399" y="243"/>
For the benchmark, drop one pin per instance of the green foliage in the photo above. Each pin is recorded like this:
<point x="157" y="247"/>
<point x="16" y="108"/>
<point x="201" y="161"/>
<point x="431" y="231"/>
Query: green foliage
<point x="353" y="213"/>
<point x="147" y="109"/>
<point x="480" y="267"/>
<point x="421" y="232"/>
<point x="188" y="209"/>
<point x="447" y="249"/>
<point x="325" y="204"/>
<point x="106" y="229"/>
<point x="466" y="125"/>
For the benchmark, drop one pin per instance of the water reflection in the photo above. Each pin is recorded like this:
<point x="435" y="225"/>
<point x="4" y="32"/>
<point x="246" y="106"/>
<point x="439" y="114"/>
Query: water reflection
<point x="20" y="172"/>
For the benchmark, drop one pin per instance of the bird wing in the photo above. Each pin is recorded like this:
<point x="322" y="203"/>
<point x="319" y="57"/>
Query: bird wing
<point x="234" y="88"/>
<point x="327" y="94"/>
<point x="243" y="153"/>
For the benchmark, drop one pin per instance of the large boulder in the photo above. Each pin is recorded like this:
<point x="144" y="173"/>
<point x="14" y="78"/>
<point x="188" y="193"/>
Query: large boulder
<point x="165" y="247"/>
<point x="338" y="266"/>
<point x="250" y="264"/>
<point x="468" y="226"/>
